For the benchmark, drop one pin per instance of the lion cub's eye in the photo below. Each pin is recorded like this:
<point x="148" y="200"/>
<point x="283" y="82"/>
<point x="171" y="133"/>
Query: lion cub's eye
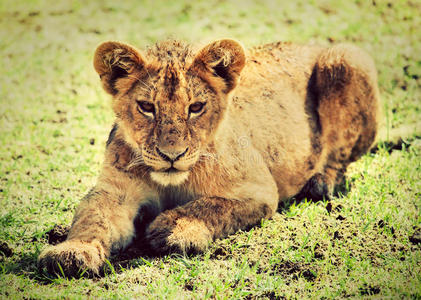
<point x="196" y="108"/>
<point x="146" y="107"/>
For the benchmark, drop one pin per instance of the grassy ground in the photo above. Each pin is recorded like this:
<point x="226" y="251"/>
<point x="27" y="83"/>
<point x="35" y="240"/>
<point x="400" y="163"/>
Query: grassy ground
<point x="54" y="119"/>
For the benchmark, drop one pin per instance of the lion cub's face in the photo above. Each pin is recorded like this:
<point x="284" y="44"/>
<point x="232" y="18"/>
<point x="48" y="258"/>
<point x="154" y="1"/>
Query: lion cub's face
<point x="170" y="102"/>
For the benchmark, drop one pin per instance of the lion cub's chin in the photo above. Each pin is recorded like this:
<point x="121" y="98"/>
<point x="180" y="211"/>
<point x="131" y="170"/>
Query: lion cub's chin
<point x="170" y="178"/>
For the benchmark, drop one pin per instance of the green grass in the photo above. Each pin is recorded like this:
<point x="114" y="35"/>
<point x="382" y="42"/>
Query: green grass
<point x="54" y="119"/>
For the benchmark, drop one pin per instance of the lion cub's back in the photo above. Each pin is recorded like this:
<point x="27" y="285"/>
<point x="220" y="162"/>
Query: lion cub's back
<point x="274" y="82"/>
<point x="272" y="105"/>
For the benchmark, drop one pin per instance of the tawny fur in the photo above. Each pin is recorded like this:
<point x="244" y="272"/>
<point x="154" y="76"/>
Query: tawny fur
<point x="279" y="121"/>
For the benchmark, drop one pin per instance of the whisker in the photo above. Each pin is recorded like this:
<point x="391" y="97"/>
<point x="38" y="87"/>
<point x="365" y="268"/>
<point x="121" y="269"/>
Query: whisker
<point x="147" y="72"/>
<point x="135" y="161"/>
<point x="149" y="88"/>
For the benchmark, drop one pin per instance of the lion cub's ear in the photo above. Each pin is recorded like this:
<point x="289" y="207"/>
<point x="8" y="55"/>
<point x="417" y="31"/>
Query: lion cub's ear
<point x="114" y="62"/>
<point x="224" y="59"/>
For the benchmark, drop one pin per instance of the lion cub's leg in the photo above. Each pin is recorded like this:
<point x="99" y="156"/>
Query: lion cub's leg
<point x="191" y="227"/>
<point x="346" y="85"/>
<point x="102" y="223"/>
<point x="315" y="189"/>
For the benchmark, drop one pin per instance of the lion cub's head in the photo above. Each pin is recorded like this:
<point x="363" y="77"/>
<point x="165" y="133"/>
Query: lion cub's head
<point x="169" y="100"/>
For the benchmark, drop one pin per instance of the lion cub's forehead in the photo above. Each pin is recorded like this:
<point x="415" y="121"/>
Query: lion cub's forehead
<point x="172" y="52"/>
<point x="167" y="78"/>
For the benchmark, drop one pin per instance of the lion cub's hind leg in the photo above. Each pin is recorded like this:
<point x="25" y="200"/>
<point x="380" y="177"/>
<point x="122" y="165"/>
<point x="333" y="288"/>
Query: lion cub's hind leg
<point x="346" y="87"/>
<point x="315" y="189"/>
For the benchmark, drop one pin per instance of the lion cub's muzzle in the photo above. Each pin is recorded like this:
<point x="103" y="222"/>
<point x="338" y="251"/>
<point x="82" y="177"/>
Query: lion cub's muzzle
<point x="174" y="159"/>
<point x="171" y="156"/>
<point x="170" y="166"/>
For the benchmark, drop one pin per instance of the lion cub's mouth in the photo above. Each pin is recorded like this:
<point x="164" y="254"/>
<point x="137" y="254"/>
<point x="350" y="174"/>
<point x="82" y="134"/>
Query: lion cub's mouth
<point x="170" y="176"/>
<point x="172" y="170"/>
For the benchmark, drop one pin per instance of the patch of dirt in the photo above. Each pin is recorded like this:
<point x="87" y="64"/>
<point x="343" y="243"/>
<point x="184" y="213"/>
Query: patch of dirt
<point x="271" y="295"/>
<point x="382" y="224"/>
<point x="337" y="235"/>
<point x="220" y="253"/>
<point x="293" y="270"/>
<point x="5" y="249"/>
<point x="368" y="289"/>
<point x="415" y="238"/>
<point x="309" y="275"/>
<point x="340" y="218"/>
<point x="57" y="235"/>
<point x="189" y="286"/>
<point x="329" y="207"/>
<point x="318" y="252"/>
<point x="61" y="12"/>
<point x="34" y="13"/>
<point x="61" y="120"/>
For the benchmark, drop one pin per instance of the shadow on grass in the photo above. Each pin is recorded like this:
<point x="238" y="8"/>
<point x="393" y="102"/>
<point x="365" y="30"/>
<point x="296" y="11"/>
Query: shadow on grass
<point x="25" y="264"/>
<point x="136" y="254"/>
<point x="314" y="192"/>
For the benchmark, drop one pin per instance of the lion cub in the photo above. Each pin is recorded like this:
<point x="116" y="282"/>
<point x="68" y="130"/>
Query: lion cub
<point x="209" y="141"/>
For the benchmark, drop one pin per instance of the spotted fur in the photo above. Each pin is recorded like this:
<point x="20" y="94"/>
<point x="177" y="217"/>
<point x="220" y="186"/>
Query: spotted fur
<point x="209" y="141"/>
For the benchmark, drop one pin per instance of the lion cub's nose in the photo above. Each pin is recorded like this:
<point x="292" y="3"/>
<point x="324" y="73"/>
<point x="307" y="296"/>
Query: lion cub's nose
<point x="171" y="156"/>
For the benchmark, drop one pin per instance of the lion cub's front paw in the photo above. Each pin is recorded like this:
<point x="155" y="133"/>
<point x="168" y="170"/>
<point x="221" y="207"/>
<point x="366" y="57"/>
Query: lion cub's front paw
<point x="72" y="258"/>
<point x="181" y="235"/>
